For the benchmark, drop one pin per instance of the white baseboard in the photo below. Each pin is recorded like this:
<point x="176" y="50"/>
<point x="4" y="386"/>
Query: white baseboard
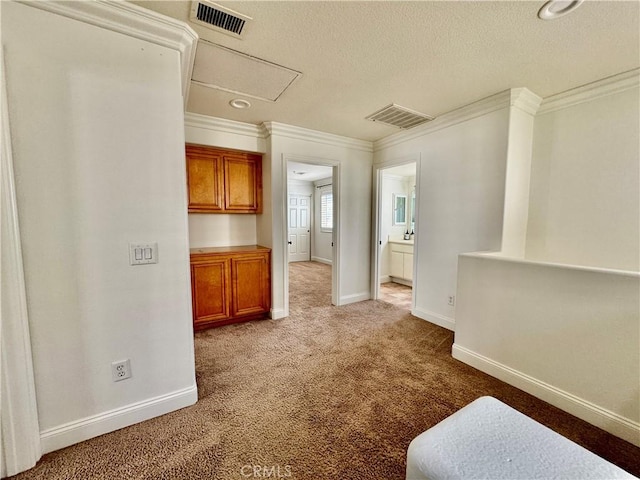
<point x="356" y="297"/>
<point x="401" y="281"/>
<point x="321" y="260"/>
<point x="384" y="279"/>
<point x="440" y="320"/>
<point x="611" y="422"/>
<point x="278" y="313"/>
<point x="89" y="427"/>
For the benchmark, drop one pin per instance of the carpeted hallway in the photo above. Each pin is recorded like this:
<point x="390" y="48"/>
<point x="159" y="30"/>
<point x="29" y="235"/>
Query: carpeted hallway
<point x="327" y="393"/>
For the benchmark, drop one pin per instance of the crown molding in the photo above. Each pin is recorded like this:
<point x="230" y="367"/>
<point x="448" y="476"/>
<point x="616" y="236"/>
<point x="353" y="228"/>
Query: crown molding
<point x="601" y="88"/>
<point x="133" y="21"/>
<point x="290" y="131"/>
<point x="197" y="120"/>
<point x="525" y="100"/>
<point x="462" y="114"/>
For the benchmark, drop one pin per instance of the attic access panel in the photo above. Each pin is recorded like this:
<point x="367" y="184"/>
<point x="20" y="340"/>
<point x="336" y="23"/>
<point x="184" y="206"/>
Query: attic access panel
<point x="228" y="70"/>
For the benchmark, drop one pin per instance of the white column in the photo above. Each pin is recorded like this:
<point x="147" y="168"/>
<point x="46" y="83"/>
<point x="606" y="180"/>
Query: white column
<point x="523" y="107"/>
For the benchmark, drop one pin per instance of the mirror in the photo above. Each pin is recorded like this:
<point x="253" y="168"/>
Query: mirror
<point x="399" y="209"/>
<point x="412" y="207"/>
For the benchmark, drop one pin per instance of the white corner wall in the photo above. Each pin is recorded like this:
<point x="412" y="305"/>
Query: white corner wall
<point x="354" y="160"/>
<point x="585" y="184"/>
<point x="563" y="323"/>
<point x="99" y="162"/>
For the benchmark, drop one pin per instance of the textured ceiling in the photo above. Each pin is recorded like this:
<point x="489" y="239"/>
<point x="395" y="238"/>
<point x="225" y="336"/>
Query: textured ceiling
<point x="307" y="172"/>
<point x="430" y="56"/>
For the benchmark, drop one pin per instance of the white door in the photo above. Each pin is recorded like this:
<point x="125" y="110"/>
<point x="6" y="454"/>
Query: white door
<point x="299" y="228"/>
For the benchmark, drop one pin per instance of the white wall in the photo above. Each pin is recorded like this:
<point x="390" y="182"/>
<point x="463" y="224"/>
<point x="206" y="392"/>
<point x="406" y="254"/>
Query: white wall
<point x="97" y="127"/>
<point x="462" y="185"/>
<point x="585" y="184"/>
<point x="221" y="229"/>
<point x="354" y="199"/>
<point x="567" y="335"/>
<point x="300" y="187"/>
<point x="321" y="249"/>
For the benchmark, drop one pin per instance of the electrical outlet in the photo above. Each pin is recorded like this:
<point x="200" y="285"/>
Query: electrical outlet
<point x="452" y="300"/>
<point x="121" y="370"/>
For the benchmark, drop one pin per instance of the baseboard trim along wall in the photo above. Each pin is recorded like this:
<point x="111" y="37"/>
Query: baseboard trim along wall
<point x="356" y="297"/>
<point x="89" y="427"/>
<point x="321" y="260"/>
<point x="611" y="422"/>
<point x="440" y="320"/>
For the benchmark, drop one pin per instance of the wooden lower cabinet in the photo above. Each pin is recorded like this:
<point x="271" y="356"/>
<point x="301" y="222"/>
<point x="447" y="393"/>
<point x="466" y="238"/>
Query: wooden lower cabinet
<point x="230" y="284"/>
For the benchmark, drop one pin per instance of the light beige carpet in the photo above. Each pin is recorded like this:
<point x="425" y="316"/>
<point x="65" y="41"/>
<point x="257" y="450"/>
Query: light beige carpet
<point x="327" y="393"/>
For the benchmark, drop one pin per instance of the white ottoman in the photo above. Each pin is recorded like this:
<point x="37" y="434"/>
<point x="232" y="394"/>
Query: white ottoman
<point x="488" y="439"/>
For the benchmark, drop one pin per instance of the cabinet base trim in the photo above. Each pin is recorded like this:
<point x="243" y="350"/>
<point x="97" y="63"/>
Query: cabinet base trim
<point x="219" y="323"/>
<point x="95" y="425"/>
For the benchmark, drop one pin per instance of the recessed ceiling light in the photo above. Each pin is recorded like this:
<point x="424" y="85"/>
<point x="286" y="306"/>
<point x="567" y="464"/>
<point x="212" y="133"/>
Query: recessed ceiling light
<point x="239" y="103"/>
<point x="557" y="8"/>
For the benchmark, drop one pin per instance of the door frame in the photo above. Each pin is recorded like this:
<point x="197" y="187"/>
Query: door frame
<point x="20" y="447"/>
<point x="335" y="189"/>
<point x="376" y="224"/>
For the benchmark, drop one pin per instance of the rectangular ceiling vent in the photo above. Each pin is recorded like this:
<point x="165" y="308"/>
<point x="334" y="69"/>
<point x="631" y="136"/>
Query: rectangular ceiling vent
<point x="398" y="116"/>
<point x="219" y="18"/>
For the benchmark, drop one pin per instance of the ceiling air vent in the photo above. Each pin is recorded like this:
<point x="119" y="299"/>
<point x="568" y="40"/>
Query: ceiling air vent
<point x="217" y="17"/>
<point x="398" y="116"/>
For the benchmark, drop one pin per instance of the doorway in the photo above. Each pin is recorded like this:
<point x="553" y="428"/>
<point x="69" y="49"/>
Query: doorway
<point x="396" y="235"/>
<point x="310" y="229"/>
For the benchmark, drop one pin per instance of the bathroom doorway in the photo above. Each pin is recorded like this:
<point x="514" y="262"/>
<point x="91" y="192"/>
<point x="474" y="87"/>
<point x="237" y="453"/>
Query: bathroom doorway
<point x="396" y="234"/>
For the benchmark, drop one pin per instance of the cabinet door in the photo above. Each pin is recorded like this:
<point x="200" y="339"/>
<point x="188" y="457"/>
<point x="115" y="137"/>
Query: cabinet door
<point x="210" y="291"/>
<point x="397" y="264"/>
<point x="408" y="266"/>
<point x="243" y="183"/>
<point x="251" y="288"/>
<point x="204" y="179"/>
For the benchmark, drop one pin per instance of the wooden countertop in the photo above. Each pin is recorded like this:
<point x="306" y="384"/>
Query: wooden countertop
<point x="240" y="248"/>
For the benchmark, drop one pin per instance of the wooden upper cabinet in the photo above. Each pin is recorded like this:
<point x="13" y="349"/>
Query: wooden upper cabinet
<point x="205" y="179"/>
<point x="223" y="181"/>
<point x="243" y="183"/>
